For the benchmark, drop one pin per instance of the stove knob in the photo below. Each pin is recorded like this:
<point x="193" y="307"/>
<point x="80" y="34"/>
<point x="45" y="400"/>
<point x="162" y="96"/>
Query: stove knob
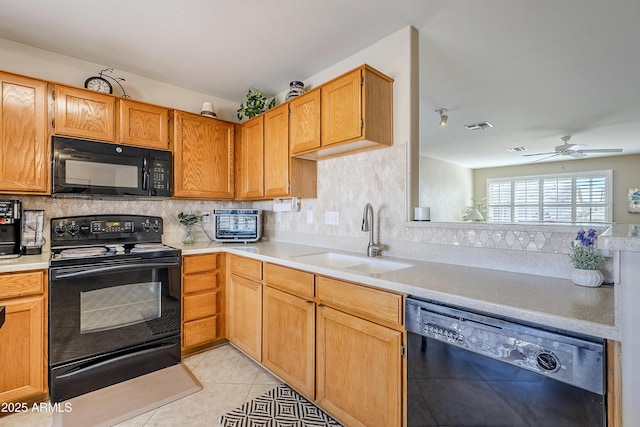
<point x="60" y="229"/>
<point x="145" y="225"/>
<point x="156" y="226"/>
<point x="73" y="229"/>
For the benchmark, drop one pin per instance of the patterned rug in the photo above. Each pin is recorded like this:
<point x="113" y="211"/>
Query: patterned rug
<point x="279" y="407"/>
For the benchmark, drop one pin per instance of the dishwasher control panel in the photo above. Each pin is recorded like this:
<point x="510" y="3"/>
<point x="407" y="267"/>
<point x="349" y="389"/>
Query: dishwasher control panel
<point x="570" y="359"/>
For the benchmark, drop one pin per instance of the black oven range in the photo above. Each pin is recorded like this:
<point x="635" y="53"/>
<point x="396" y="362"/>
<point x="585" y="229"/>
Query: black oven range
<point x="114" y="302"/>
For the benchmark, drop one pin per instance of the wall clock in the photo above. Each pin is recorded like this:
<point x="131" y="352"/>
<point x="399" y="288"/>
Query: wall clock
<point x="99" y="84"/>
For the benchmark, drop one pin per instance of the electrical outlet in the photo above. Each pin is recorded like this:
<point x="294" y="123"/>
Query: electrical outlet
<point x="309" y="217"/>
<point x="206" y="217"/>
<point x="332" y="218"/>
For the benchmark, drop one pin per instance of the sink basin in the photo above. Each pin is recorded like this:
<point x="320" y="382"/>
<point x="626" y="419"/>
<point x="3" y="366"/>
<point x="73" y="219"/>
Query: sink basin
<point x="350" y="262"/>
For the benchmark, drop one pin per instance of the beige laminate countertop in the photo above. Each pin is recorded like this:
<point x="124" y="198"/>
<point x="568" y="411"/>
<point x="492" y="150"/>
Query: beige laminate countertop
<point x="538" y="299"/>
<point x="543" y="300"/>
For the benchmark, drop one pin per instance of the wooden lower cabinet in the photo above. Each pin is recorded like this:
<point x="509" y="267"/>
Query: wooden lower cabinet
<point x="202" y="301"/>
<point x="288" y="340"/>
<point x="359" y="369"/>
<point x="245" y="307"/>
<point x="23" y="356"/>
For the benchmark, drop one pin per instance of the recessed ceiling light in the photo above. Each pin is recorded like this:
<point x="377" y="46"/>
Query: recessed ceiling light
<point x="478" y="126"/>
<point x="516" y="149"/>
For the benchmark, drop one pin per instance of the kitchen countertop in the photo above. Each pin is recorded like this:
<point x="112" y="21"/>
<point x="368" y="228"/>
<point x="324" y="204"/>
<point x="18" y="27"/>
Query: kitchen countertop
<point x="25" y="262"/>
<point x="549" y="301"/>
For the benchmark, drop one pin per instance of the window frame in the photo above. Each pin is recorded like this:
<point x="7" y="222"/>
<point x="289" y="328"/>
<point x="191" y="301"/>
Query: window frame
<point x="512" y="204"/>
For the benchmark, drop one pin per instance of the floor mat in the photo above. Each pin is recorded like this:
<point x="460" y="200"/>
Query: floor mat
<point x="128" y="399"/>
<point x="280" y="407"/>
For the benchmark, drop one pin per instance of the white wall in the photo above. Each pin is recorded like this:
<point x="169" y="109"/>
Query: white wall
<point x="33" y="62"/>
<point x="445" y="188"/>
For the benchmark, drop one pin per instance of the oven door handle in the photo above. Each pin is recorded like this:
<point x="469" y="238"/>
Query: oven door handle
<point x="118" y="268"/>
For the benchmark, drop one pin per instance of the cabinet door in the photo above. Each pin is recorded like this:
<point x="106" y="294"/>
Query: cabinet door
<point x="288" y="332"/>
<point x="203" y="157"/>
<point x="22" y="352"/>
<point x="359" y="369"/>
<point x="142" y="124"/>
<point x="250" y="160"/>
<point x="304" y="122"/>
<point x="276" y="152"/>
<point x="342" y="109"/>
<point x="84" y="114"/>
<point x="245" y="315"/>
<point x="24" y="142"/>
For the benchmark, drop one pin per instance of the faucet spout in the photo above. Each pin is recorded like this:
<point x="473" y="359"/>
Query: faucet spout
<point x="373" y="249"/>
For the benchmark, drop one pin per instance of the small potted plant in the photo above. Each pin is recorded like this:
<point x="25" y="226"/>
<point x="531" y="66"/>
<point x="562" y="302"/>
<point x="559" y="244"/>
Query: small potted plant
<point x="188" y="220"/>
<point x="586" y="262"/>
<point x="256" y="103"/>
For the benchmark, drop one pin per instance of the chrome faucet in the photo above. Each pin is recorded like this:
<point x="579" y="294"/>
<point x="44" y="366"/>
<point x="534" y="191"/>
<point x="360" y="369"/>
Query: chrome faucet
<point x="373" y="249"/>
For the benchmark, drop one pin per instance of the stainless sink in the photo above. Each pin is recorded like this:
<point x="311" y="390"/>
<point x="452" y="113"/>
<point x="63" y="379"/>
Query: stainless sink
<point x="350" y="262"/>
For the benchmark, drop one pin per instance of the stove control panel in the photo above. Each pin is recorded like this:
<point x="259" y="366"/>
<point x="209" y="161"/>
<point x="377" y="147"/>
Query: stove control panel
<point x="87" y="229"/>
<point x="111" y="226"/>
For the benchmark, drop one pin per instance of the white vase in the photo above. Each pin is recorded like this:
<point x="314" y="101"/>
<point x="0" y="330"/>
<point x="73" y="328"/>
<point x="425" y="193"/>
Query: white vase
<point x="590" y="278"/>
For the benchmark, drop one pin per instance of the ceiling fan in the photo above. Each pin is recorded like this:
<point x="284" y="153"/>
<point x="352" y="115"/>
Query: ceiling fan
<point x="573" y="150"/>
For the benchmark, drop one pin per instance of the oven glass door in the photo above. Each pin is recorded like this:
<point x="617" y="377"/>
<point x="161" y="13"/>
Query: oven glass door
<point x="99" y="313"/>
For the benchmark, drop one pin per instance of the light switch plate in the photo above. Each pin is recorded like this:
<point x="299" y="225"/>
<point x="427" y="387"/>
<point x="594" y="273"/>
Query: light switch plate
<point x="309" y="217"/>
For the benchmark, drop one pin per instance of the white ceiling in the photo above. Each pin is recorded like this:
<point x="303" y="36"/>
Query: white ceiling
<point x="537" y="70"/>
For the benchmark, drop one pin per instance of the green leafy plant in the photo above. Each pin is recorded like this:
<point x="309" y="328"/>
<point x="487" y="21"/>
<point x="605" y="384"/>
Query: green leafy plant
<point x="583" y="252"/>
<point x="188" y="219"/>
<point x="256" y="103"/>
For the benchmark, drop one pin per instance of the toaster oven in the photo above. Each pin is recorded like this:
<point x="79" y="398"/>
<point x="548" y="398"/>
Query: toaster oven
<point x="237" y="225"/>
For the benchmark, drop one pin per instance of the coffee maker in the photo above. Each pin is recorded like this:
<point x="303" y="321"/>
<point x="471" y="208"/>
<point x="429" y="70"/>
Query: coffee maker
<point x="10" y="228"/>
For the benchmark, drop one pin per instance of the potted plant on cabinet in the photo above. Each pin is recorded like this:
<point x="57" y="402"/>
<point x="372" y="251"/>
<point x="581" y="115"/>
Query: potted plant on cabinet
<point x="256" y="103"/>
<point x="586" y="262"/>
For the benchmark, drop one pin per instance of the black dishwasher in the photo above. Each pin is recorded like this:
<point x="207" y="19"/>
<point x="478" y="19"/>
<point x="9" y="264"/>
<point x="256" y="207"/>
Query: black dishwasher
<point x="470" y="369"/>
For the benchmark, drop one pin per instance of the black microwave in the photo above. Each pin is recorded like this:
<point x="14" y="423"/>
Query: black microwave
<point x="90" y="168"/>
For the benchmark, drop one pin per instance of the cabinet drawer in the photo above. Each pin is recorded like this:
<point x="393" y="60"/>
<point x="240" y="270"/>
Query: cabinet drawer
<point x="18" y="284"/>
<point x="199" y="282"/>
<point x="246" y="267"/>
<point x="289" y="280"/>
<point x="362" y="301"/>
<point x="199" y="331"/>
<point x="199" y="263"/>
<point x="201" y="305"/>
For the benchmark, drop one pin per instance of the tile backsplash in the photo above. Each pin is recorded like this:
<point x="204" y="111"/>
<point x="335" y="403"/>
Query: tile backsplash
<point x="345" y="185"/>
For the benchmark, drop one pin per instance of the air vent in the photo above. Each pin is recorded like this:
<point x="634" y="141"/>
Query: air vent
<point x="517" y="149"/>
<point x="478" y="126"/>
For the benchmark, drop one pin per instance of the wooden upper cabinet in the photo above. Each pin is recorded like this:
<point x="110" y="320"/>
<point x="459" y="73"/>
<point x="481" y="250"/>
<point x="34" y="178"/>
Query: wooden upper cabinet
<point x="250" y="159"/>
<point x="356" y="114"/>
<point x="276" y="151"/>
<point x="203" y="157"/>
<point x="24" y="138"/>
<point x="342" y="109"/>
<point x="143" y="125"/>
<point x="304" y="122"/>
<point x="84" y="113"/>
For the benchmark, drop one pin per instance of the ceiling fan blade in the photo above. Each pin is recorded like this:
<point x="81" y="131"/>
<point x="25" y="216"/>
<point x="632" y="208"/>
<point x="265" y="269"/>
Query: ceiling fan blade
<point x="602" y="150"/>
<point x="545" y="158"/>
<point x="539" y="154"/>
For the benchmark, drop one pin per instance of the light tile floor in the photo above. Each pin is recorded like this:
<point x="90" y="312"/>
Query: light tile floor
<point x="229" y="377"/>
